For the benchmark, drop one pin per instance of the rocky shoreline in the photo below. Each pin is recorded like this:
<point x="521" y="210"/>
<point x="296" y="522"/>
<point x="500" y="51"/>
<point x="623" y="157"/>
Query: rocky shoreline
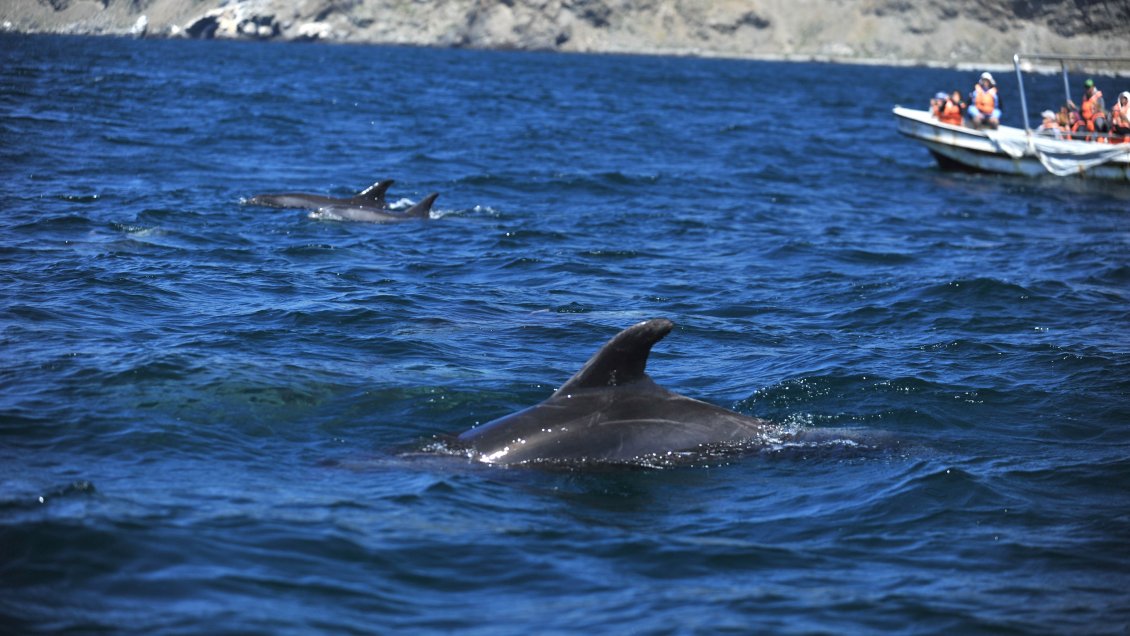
<point x="927" y="32"/>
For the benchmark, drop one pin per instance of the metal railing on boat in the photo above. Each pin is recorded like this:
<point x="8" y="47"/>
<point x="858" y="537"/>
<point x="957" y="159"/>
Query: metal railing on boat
<point x="1063" y="60"/>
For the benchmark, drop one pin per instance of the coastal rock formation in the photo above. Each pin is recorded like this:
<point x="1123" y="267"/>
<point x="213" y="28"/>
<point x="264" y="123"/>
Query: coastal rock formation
<point x="915" y="31"/>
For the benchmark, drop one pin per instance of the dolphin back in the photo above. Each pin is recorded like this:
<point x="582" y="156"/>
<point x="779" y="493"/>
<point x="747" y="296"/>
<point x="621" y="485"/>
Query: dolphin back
<point x="611" y="410"/>
<point x="372" y="197"/>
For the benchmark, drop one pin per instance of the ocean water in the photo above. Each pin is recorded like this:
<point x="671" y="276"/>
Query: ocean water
<point x="220" y="418"/>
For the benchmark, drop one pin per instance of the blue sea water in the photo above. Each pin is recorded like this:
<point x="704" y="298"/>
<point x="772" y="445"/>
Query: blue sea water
<point x="216" y="418"/>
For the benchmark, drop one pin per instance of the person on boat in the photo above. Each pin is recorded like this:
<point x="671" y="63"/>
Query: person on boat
<point x="1076" y="128"/>
<point x="1049" y="127"/>
<point x="1093" y="111"/>
<point x="1120" y="117"/>
<point x="936" y="103"/>
<point x="952" y="110"/>
<point x="1063" y="118"/>
<point x="985" y="107"/>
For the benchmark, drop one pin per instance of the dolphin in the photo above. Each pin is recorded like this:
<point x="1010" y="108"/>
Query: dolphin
<point x="421" y="210"/>
<point x="611" y="411"/>
<point x="371" y="198"/>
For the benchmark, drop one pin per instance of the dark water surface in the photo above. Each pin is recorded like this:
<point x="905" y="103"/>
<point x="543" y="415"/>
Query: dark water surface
<point x="210" y="413"/>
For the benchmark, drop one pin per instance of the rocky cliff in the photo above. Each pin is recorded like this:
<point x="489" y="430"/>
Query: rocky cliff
<point x="896" y="31"/>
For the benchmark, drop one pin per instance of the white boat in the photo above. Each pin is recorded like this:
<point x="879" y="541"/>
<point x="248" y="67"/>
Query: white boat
<point x="1017" y="151"/>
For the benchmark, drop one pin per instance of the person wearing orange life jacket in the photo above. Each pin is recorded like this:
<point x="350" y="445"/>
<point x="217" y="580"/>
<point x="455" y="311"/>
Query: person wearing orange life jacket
<point x="936" y="103"/>
<point x="1120" y="117"/>
<point x="1063" y="120"/>
<point x="1093" y="110"/>
<point x="985" y="107"/>
<point x="1049" y="128"/>
<point x="1078" y="127"/>
<point x="1074" y="126"/>
<point x="952" y="109"/>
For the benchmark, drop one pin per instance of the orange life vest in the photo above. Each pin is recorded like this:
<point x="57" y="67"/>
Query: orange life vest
<point x="1090" y="109"/>
<point x="1076" y="127"/>
<point x="951" y="113"/>
<point x="986" y="100"/>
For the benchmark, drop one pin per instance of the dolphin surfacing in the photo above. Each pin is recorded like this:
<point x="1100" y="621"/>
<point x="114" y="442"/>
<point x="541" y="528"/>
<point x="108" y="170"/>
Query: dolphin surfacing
<point x="371" y="198"/>
<point x="421" y="210"/>
<point x="611" y="411"/>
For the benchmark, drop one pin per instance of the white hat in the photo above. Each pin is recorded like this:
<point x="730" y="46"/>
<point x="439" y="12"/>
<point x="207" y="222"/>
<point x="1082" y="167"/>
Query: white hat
<point x="1047" y="114"/>
<point x="989" y="76"/>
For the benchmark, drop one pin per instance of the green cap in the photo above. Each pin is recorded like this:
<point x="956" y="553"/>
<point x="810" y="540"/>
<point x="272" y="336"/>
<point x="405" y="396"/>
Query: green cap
<point x="1089" y="83"/>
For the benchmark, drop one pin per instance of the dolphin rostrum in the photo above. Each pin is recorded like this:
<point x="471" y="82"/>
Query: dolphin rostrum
<point x="371" y="198"/>
<point x="611" y="411"/>
<point x="421" y="210"/>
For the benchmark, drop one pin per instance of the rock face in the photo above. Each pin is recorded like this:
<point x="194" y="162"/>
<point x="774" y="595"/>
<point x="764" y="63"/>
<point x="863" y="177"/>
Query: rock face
<point x="233" y="21"/>
<point x="938" y="31"/>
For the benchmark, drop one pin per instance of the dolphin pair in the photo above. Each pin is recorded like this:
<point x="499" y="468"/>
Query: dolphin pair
<point x="611" y="411"/>
<point x="368" y="205"/>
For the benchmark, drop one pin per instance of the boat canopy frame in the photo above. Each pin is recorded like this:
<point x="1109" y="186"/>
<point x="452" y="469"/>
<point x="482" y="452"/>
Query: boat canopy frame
<point x="1018" y="58"/>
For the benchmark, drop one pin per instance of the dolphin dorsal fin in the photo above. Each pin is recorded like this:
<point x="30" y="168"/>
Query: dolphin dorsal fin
<point x="376" y="193"/>
<point x="423" y="208"/>
<point x="622" y="360"/>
